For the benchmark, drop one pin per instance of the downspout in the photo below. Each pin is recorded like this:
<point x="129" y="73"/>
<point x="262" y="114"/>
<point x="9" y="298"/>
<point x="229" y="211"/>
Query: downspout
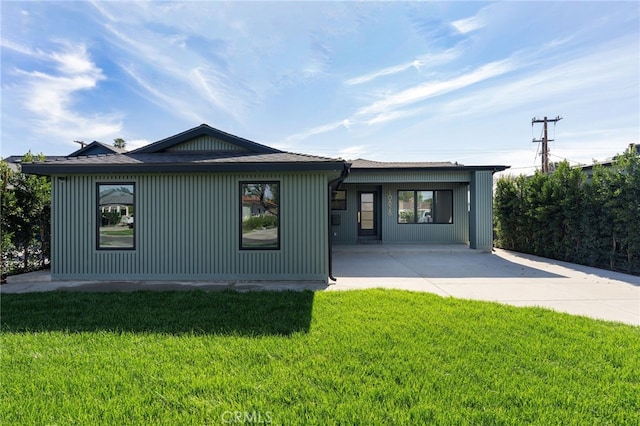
<point x="335" y="183"/>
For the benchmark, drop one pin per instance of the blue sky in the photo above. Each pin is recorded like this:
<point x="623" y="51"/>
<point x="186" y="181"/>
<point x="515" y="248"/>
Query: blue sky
<point x="414" y="81"/>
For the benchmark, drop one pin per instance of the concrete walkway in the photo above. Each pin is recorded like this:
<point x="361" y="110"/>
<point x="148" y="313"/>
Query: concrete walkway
<point x="504" y="277"/>
<point x="449" y="271"/>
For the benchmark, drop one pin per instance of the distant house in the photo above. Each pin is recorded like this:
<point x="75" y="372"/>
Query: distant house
<point x="209" y="205"/>
<point x="93" y="148"/>
<point x="97" y="148"/>
<point x="14" y="161"/>
<point x="588" y="169"/>
<point x="252" y="205"/>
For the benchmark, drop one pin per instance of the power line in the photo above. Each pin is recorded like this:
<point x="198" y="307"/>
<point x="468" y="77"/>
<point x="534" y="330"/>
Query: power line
<point x="545" y="140"/>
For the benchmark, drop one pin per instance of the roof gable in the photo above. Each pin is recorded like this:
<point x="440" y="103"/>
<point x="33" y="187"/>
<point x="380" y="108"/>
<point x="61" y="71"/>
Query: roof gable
<point x="205" y="143"/>
<point x="96" y="148"/>
<point x="205" y="138"/>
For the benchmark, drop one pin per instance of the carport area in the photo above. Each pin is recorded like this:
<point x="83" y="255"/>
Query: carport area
<point x="502" y="276"/>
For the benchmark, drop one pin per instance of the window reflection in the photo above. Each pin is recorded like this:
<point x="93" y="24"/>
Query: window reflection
<point x="116" y="216"/>
<point x="260" y="215"/>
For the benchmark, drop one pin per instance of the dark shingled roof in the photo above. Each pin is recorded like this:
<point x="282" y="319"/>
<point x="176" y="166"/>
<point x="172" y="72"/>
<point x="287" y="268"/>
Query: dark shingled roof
<point x="184" y="161"/>
<point x="361" y="163"/>
<point x="368" y="165"/>
<point x="97" y="148"/>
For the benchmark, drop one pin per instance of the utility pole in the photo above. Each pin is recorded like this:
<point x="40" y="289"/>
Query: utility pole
<point x="545" y="140"/>
<point x="82" y="143"/>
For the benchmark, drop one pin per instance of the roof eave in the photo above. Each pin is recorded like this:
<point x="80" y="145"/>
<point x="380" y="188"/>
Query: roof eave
<point x="46" y="169"/>
<point x="494" y="168"/>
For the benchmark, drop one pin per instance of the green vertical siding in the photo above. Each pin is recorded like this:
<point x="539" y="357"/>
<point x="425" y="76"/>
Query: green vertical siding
<point x="400" y="176"/>
<point x="347" y="231"/>
<point x="433" y="233"/>
<point x="187" y="227"/>
<point x="205" y="143"/>
<point x="394" y="233"/>
<point x="481" y="213"/>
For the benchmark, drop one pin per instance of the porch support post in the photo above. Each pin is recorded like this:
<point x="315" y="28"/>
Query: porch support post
<point x="481" y="210"/>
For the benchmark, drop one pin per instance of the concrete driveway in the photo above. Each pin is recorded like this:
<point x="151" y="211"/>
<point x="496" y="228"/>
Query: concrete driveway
<point x="505" y="277"/>
<point x="449" y="271"/>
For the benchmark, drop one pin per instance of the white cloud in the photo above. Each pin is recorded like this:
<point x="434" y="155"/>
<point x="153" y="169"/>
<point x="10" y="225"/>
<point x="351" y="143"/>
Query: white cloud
<point x="387" y="116"/>
<point x="418" y="63"/>
<point x="469" y="24"/>
<point x="76" y="62"/>
<point x="50" y="97"/>
<point x="17" y="47"/>
<point x="428" y="90"/>
<point x="219" y="90"/>
<point x="105" y="13"/>
<point x="392" y="106"/>
<point x="164" y="100"/>
<point x="380" y="73"/>
<point x="584" y="80"/>
<point x="136" y="143"/>
<point x="183" y="73"/>
<point x="317" y="130"/>
<point x="352" y="152"/>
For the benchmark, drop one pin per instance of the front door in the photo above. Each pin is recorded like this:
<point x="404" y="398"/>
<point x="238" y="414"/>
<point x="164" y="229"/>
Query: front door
<point x="367" y="218"/>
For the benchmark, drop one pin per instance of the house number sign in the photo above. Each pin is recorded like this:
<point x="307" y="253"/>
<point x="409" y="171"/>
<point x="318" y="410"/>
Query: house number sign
<point x="389" y="203"/>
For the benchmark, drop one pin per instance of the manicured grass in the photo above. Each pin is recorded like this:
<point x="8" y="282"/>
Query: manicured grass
<point x="359" y="357"/>
<point x="118" y="232"/>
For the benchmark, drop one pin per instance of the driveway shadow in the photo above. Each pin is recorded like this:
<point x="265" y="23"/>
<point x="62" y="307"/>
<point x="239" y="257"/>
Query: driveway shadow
<point x="432" y="265"/>
<point x="179" y="312"/>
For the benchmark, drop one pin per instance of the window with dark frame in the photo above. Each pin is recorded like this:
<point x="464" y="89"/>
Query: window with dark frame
<point x="339" y="200"/>
<point x="417" y="206"/>
<point x="260" y="215"/>
<point x="115" y="221"/>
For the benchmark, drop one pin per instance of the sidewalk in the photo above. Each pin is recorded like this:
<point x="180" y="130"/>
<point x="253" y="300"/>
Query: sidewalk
<point x="449" y="271"/>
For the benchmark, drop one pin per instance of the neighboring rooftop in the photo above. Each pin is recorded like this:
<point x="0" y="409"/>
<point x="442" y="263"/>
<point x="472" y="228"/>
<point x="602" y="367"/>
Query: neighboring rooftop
<point x="362" y="164"/>
<point x="97" y="148"/>
<point x="93" y="148"/>
<point x="634" y="147"/>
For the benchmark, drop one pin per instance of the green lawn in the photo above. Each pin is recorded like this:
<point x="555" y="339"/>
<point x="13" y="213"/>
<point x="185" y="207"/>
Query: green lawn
<point x="126" y="231"/>
<point x="358" y="357"/>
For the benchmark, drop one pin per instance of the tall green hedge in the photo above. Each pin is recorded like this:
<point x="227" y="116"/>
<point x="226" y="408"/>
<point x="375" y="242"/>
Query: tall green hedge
<point x="566" y="216"/>
<point x="25" y="225"/>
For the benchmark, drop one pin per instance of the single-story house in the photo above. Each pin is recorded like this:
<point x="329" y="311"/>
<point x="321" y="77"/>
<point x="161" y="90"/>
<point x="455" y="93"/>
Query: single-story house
<point x="209" y="205"/>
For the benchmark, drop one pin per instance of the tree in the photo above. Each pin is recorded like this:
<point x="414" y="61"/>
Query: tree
<point x="120" y="143"/>
<point x="508" y="205"/>
<point x="266" y="193"/>
<point x="624" y="203"/>
<point x="26" y="212"/>
<point x="8" y="205"/>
